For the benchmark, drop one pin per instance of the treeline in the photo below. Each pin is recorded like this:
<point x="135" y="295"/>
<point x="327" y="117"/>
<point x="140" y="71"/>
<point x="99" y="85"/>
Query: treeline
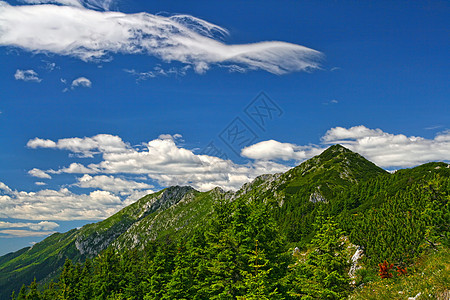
<point x="246" y="253"/>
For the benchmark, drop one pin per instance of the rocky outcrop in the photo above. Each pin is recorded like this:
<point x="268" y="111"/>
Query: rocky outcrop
<point x="317" y="197"/>
<point x="354" y="263"/>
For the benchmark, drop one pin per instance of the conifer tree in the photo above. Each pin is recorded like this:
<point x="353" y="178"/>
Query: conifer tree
<point x="33" y="293"/>
<point x="67" y="281"/>
<point x="22" y="293"/>
<point x="324" y="274"/>
<point x="257" y="283"/>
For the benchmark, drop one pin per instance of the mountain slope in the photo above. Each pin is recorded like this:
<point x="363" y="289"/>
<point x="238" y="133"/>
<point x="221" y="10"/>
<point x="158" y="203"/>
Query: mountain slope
<point x="325" y="180"/>
<point x="44" y="258"/>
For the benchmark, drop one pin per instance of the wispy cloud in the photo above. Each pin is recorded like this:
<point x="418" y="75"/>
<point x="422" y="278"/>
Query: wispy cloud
<point x="158" y="71"/>
<point x="331" y="102"/>
<point x="434" y="127"/>
<point x="93" y="4"/>
<point x="26" y="75"/>
<point x="74" y="30"/>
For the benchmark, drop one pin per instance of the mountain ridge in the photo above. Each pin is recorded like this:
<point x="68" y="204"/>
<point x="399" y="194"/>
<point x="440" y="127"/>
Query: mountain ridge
<point x="177" y="211"/>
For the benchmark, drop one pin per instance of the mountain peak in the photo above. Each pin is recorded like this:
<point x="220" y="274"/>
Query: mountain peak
<point x="336" y="150"/>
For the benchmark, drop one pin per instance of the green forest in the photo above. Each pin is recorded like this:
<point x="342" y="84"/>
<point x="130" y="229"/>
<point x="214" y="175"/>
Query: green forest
<point x="254" y="247"/>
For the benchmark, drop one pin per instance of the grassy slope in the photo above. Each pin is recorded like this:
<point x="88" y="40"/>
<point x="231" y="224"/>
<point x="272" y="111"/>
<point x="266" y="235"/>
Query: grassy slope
<point x="429" y="276"/>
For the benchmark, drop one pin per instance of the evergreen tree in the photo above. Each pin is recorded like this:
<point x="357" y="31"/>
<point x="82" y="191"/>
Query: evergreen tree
<point x="437" y="212"/>
<point x="257" y="283"/>
<point x="22" y="293"/>
<point x="33" y="293"/>
<point x="85" y="289"/>
<point x="159" y="272"/>
<point x="324" y="273"/>
<point x="106" y="275"/>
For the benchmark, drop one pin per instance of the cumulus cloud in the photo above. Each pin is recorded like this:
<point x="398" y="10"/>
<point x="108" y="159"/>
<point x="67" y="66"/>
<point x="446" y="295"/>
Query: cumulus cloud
<point x="14" y="233"/>
<point x="43" y="225"/>
<point x="59" y="204"/>
<point x="81" y="82"/>
<point x="274" y="150"/>
<point x="42" y="228"/>
<point x="113" y="184"/>
<point x="164" y="161"/>
<point x="161" y="159"/>
<point x="387" y="150"/>
<point x="5" y="188"/>
<point x="84" y="147"/>
<point x="91" y="35"/>
<point x="25" y="75"/>
<point x="391" y="150"/>
<point x="39" y="174"/>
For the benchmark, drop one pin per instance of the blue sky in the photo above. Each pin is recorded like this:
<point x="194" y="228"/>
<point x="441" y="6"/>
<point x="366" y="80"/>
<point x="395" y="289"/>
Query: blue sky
<point x="104" y="101"/>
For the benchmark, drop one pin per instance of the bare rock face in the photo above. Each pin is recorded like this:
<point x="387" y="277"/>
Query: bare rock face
<point x="355" y="262"/>
<point x="100" y="237"/>
<point x="317" y="197"/>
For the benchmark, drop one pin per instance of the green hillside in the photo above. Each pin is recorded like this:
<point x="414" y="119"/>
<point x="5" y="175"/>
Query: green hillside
<point x="335" y="198"/>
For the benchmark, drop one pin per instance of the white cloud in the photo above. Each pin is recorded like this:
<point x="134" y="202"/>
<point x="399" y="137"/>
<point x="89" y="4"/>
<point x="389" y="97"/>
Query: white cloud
<point x="43" y="225"/>
<point x="59" y="204"/>
<point x="159" y="71"/>
<point x="40" y="183"/>
<point x="161" y="160"/>
<point x="25" y="75"/>
<point x="13" y="233"/>
<point x="274" y="150"/>
<point x="5" y="188"/>
<point x="170" y="136"/>
<point x="169" y="164"/>
<point x="39" y="174"/>
<point x="93" y="4"/>
<point x="82" y="82"/>
<point x="74" y="168"/>
<point x="391" y="150"/>
<point x="113" y="184"/>
<point x="75" y="3"/>
<point x="387" y="150"/>
<point x="85" y="147"/>
<point x="94" y="35"/>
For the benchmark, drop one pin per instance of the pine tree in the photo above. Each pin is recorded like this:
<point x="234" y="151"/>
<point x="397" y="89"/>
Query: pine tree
<point x="67" y="281"/>
<point x="159" y="272"/>
<point x="33" y="293"/>
<point x="106" y="275"/>
<point x="22" y="293"/>
<point x="324" y="274"/>
<point x="85" y="290"/>
<point x="257" y="282"/>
